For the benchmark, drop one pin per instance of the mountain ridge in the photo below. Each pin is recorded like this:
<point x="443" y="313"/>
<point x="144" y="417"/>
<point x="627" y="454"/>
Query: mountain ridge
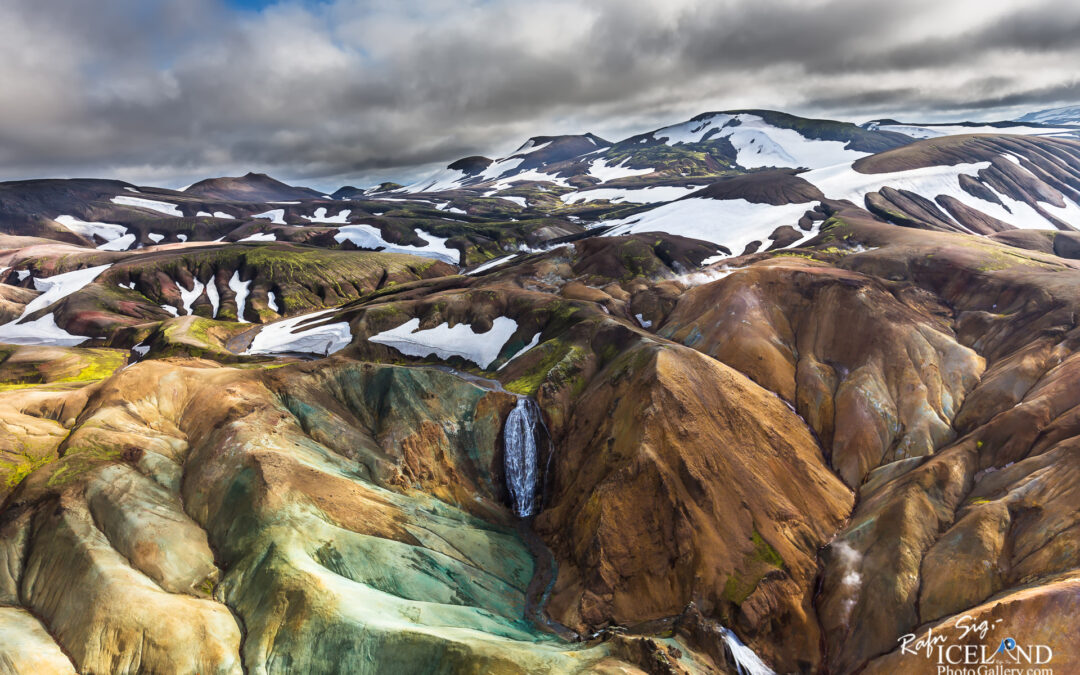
<point x="772" y="402"/>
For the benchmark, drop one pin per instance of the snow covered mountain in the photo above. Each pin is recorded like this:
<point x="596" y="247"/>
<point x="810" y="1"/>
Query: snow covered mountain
<point x="703" y="145"/>
<point x="1034" y="128"/>
<point x="1069" y="114"/>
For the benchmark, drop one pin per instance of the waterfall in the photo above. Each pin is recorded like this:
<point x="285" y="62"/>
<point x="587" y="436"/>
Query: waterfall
<point x="519" y="459"/>
<point x="746" y="661"/>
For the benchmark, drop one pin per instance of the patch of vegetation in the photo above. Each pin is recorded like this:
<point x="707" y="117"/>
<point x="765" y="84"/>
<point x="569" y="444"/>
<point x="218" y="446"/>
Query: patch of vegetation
<point x="207" y="587"/>
<point x="998" y="259"/>
<point x="755" y="565"/>
<point x="764" y="552"/>
<point x="18" y="471"/>
<point x="77" y="461"/>
<point x="713" y="157"/>
<point x="99" y="368"/>
<point x="558" y="365"/>
<point x="76" y="365"/>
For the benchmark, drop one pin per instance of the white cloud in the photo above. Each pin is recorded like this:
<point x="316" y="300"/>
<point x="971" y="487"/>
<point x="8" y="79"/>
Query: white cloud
<point x="169" y="91"/>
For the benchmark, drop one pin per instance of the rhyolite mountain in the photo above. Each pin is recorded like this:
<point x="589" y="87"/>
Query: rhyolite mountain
<point x="747" y="393"/>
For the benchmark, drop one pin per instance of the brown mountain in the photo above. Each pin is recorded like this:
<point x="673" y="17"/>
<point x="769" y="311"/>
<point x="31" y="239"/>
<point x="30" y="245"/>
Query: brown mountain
<point x="251" y="187"/>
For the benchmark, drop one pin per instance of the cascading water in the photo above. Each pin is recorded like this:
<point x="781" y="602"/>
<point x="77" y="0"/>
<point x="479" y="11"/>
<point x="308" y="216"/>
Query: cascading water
<point x="746" y="661"/>
<point x="519" y="458"/>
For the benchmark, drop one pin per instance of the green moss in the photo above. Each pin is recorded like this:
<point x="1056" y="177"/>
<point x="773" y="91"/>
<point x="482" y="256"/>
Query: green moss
<point x="554" y="364"/>
<point x="835" y="228"/>
<point x="996" y="259"/>
<point x="609" y="352"/>
<point x="207" y="587"/>
<point x="762" y="559"/>
<point x="19" y="471"/>
<point x="77" y="461"/>
<point x="737" y="589"/>
<point x="104" y="365"/>
<point x="8" y="386"/>
<point x="76" y="365"/>
<point x="764" y="552"/>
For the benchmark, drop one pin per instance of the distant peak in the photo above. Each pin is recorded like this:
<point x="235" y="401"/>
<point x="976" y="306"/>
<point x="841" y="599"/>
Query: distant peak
<point x="536" y="143"/>
<point x="471" y="165"/>
<point x="251" y="186"/>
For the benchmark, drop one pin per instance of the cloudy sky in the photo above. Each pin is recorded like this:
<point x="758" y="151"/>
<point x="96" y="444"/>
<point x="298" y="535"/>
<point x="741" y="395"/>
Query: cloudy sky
<point x="354" y="91"/>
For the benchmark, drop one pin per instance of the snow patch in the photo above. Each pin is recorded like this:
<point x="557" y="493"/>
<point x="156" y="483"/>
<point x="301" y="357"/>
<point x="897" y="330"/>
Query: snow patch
<point x="40" y="331"/>
<point x="190" y="295"/>
<point x="732" y="223"/>
<point x="922" y="131"/>
<point x="242" y="289"/>
<point x="445" y="341"/>
<point x="499" y="167"/>
<point x="599" y="168"/>
<point x="320" y="216"/>
<point x="532" y="343"/>
<point x="214" y="297"/>
<point x="450" y="209"/>
<point x="152" y="204"/>
<point x="121" y="244"/>
<point x="284" y="337"/>
<point x="530" y="175"/>
<point x="759" y="143"/>
<point x="444" y="179"/>
<point x="649" y="195"/>
<point x="368" y="236"/>
<point x="60" y="286"/>
<point x="110" y="232"/>
<point x="276" y="216"/>
<point x="492" y="263"/>
<point x="259" y="236"/>
<point x="530" y="147"/>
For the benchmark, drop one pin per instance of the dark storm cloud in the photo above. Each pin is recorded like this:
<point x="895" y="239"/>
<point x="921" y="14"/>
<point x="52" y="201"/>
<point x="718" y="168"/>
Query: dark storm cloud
<point x="168" y="91"/>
